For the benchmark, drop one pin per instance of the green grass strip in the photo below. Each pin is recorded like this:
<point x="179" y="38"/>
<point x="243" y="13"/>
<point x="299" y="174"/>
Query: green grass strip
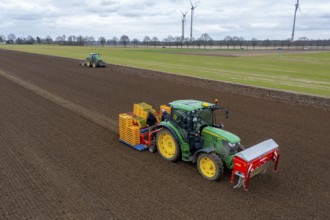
<point x="307" y="73"/>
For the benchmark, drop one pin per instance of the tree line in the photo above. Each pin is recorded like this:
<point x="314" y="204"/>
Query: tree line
<point x="203" y="42"/>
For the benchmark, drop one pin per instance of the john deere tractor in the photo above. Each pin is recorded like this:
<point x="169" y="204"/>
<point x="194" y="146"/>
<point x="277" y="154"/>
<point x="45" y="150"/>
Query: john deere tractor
<point x="94" y="60"/>
<point x="194" y="135"/>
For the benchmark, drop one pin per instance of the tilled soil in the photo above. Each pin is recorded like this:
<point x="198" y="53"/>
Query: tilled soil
<point x="58" y="163"/>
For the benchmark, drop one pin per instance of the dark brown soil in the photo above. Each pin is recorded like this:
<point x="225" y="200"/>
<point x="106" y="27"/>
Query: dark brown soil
<point x="56" y="164"/>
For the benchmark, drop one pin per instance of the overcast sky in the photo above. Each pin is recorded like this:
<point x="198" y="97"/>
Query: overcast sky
<point x="271" y="19"/>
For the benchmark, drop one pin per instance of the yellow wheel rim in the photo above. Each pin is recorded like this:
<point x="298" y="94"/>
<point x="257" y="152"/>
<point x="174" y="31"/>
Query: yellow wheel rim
<point x="166" y="145"/>
<point x="207" y="167"/>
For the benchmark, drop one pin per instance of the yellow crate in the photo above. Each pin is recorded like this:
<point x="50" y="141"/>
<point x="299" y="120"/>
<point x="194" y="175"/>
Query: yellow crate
<point x="133" y="133"/>
<point x="144" y="114"/>
<point x="167" y="108"/>
<point x="139" y="121"/>
<point x="125" y="120"/>
<point x="139" y="108"/>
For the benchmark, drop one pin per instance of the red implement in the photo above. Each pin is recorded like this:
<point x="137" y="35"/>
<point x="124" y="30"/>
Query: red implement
<point x="253" y="161"/>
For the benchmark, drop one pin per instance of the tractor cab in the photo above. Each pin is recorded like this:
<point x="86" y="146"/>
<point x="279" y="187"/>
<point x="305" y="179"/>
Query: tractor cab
<point x="94" y="56"/>
<point x="193" y="115"/>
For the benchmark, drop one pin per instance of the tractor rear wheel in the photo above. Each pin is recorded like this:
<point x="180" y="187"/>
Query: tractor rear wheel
<point x="210" y="166"/>
<point x="167" y="145"/>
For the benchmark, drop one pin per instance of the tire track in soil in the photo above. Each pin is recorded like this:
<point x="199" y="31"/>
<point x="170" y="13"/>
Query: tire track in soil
<point x="54" y="175"/>
<point x="119" y="160"/>
<point x="86" y="112"/>
<point x="30" y="173"/>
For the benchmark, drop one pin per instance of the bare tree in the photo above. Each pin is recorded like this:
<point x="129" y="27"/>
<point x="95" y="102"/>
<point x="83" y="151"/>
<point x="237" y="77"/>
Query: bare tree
<point x="19" y="41"/>
<point x="114" y="41"/>
<point x="11" y="38"/>
<point x="235" y="40"/>
<point x="71" y="39"/>
<point x="205" y="38"/>
<point x="2" y="38"/>
<point x="135" y="42"/>
<point x="155" y="40"/>
<point x="146" y="41"/>
<point x="228" y="40"/>
<point x="59" y="39"/>
<point x="80" y="40"/>
<point x="267" y="42"/>
<point x="90" y="40"/>
<point x="254" y="42"/>
<point x="169" y="40"/>
<point x="38" y="39"/>
<point x="178" y="40"/>
<point x="30" y="40"/>
<point x="241" y="41"/>
<point x="124" y="39"/>
<point x="102" y="41"/>
<point x="48" y="39"/>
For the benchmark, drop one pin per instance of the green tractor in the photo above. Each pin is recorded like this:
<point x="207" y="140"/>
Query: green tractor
<point x="191" y="133"/>
<point x="94" y="60"/>
<point x="194" y="135"/>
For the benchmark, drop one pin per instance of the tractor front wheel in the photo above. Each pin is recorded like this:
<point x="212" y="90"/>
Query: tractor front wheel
<point x="88" y="63"/>
<point x="94" y="65"/>
<point x="210" y="166"/>
<point x="167" y="145"/>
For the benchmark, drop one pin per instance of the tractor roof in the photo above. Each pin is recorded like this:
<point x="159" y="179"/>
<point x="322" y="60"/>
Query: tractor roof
<point x="190" y="105"/>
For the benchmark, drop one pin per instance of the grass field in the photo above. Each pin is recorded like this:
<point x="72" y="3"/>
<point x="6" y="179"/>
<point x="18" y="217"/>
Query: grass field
<point x="303" y="73"/>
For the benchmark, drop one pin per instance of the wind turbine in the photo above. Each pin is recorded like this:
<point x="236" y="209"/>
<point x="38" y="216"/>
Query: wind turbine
<point x="183" y="20"/>
<point x="294" y="19"/>
<point x="192" y="15"/>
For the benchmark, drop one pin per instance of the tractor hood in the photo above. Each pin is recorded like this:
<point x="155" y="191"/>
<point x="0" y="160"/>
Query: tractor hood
<point x="221" y="134"/>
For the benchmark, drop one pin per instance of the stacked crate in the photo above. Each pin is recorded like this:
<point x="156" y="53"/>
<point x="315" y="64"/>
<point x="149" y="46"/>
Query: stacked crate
<point x="144" y="113"/>
<point x="142" y="109"/>
<point x="139" y="121"/>
<point x="125" y="121"/>
<point x="133" y="135"/>
<point x="167" y="108"/>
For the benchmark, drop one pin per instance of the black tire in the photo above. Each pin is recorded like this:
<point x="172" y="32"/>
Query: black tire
<point x="88" y="62"/>
<point x="210" y="166"/>
<point x="152" y="149"/>
<point x="167" y="145"/>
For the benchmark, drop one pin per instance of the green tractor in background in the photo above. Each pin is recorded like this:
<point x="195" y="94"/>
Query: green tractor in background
<point x="194" y="135"/>
<point x="94" y="60"/>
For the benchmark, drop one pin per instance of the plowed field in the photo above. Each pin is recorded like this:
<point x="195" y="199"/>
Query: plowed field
<point x="58" y="159"/>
